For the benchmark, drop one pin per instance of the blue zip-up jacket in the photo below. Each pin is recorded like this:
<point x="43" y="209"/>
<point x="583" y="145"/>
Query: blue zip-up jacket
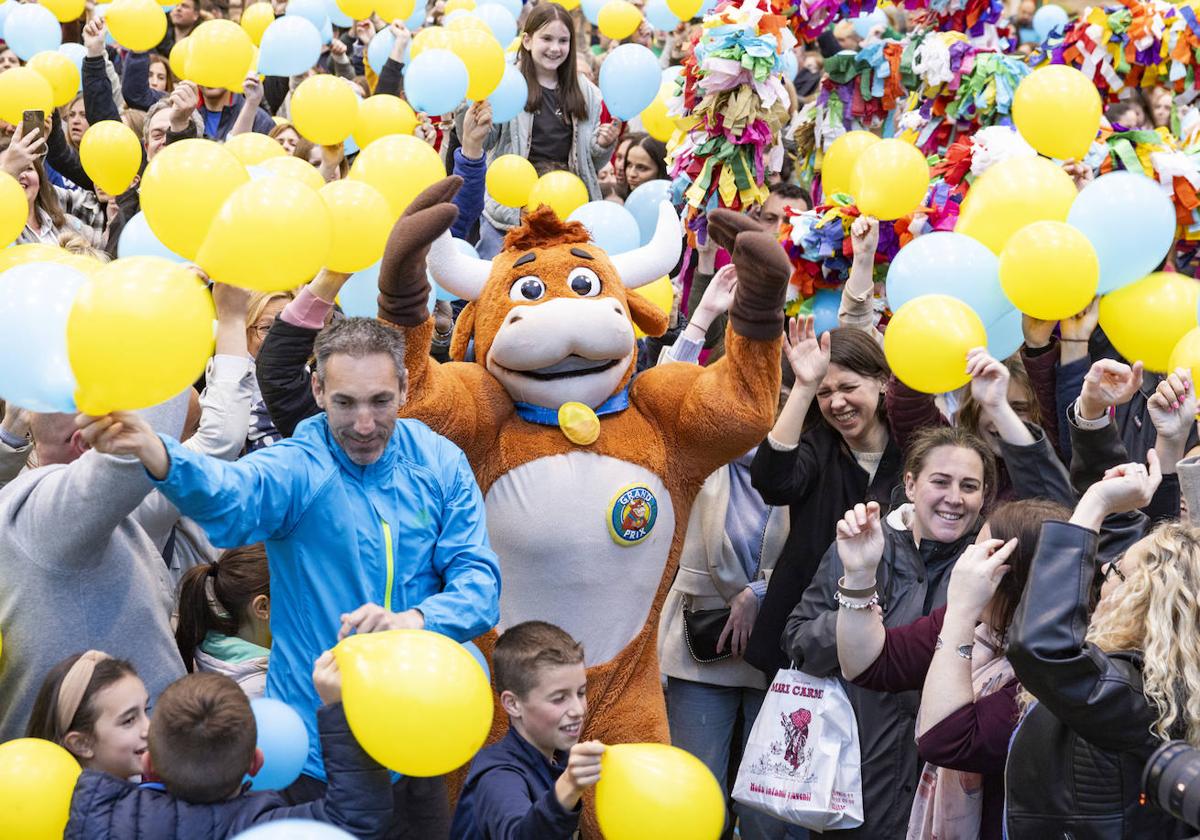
<point x="509" y="795"/>
<point x="327" y="523"/>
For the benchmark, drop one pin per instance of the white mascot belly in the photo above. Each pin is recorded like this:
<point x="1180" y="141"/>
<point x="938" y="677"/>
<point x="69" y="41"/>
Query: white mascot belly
<point x="582" y="540"/>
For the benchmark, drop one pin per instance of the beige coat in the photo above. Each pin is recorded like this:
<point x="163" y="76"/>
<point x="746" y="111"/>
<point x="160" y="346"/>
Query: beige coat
<point x="709" y="577"/>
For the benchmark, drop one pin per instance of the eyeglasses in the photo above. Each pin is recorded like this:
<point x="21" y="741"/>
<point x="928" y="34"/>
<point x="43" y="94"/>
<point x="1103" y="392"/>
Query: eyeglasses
<point x="261" y="330"/>
<point x="1112" y="568"/>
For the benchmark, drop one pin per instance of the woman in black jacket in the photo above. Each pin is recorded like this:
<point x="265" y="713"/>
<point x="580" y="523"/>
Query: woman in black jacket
<point x="1107" y="694"/>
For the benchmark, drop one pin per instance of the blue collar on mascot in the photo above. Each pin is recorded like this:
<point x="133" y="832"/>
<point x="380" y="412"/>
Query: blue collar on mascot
<point x="549" y="416"/>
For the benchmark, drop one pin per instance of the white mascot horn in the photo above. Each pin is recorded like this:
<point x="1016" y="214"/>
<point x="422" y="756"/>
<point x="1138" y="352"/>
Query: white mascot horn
<point x="460" y="274"/>
<point x="646" y="264"/>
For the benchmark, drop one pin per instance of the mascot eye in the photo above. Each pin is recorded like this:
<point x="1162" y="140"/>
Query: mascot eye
<point x="527" y="288"/>
<point x="584" y="282"/>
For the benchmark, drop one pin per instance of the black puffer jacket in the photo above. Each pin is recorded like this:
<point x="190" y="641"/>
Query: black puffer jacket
<point x="1075" y="765"/>
<point x="358" y="800"/>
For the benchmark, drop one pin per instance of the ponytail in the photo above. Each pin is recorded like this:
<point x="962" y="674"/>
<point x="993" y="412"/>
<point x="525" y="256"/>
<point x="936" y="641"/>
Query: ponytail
<point x="215" y="597"/>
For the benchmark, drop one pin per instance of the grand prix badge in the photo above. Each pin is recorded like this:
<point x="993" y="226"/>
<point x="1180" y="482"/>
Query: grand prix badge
<point x="632" y="514"/>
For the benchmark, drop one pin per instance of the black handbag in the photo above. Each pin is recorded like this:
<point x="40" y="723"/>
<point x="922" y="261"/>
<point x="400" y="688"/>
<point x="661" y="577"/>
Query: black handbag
<point x="701" y="631"/>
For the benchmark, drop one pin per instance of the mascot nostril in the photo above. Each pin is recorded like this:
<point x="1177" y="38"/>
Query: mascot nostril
<point x="561" y="434"/>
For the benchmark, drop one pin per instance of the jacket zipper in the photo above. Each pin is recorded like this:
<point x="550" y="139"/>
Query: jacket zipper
<point x="391" y="566"/>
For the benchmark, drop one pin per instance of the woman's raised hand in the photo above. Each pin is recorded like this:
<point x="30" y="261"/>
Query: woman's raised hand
<point x="808" y="355"/>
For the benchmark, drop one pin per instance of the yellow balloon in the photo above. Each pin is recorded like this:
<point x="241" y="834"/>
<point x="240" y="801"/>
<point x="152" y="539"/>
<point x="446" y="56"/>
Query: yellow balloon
<point x="30" y="252"/>
<point x="139" y="332"/>
<point x="889" y="180"/>
<point x="400" y="167"/>
<point x="290" y="166"/>
<point x="484" y="57"/>
<point x="510" y="179"/>
<point x="65" y="11"/>
<point x="660" y="791"/>
<point x="37" y="779"/>
<point x="255" y="20"/>
<point x="656" y="120"/>
<point x="1146" y="319"/>
<point x="455" y="5"/>
<point x="23" y="89"/>
<point x="660" y="293"/>
<point x="361" y="222"/>
<point x="927" y="340"/>
<point x="324" y="109"/>
<point x="1057" y="110"/>
<point x="431" y="38"/>
<point x="567" y="4"/>
<point x="1012" y="194"/>
<point x="178" y="58"/>
<point x="138" y="25"/>
<point x="416" y="701"/>
<point x="111" y="155"/>
<point x="357" y="9"/>
<point x="14" y="209"/>
<point x="272" y="234"/>
<point x="562" y="191"/>
<point x="1186" y="354"/>
<point x="203" y="172"/>
<point x="252" y="148"/>
<point x="840" y="158"/>
<point x="618" y="19"/>
<point x="390" y="10"/>
<point x="381" y="115"/>
<point x="463" y="22"/>
<point x="60" y="72"/>
<point x="218" y="54"/>
<point x="684" y="9"/>
<point x="1049" y="270"/>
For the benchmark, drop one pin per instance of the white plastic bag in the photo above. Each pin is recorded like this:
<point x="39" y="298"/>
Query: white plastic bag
<point x="801" y="762"/>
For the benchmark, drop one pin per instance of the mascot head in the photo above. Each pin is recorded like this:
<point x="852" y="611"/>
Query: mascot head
<point x="553" y="314"/>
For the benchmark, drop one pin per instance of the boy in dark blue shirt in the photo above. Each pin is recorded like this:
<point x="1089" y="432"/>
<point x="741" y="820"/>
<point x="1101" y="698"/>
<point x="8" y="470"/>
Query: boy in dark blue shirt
<point x="519" y="788"/>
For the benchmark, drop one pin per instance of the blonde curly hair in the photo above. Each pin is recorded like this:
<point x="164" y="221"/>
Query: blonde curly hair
<point x="1157" y="611"/>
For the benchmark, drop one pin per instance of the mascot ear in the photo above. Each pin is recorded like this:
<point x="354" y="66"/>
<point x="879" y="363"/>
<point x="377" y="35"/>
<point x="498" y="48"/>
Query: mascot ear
<point x="464" y="328"/>
<point x="649" y="318"/>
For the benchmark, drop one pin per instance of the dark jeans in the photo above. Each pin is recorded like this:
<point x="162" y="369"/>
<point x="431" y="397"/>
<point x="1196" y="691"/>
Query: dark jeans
<point x="421" y="809"/>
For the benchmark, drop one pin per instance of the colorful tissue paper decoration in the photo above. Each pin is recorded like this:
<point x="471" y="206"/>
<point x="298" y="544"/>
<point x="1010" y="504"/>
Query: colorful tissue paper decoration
<point x="732" y="86"/>
<point x="810" y="18"/>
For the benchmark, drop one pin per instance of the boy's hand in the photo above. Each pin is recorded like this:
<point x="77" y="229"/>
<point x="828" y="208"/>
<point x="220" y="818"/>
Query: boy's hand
<point x="583" y="771"/>
<point x="327" y="679"/>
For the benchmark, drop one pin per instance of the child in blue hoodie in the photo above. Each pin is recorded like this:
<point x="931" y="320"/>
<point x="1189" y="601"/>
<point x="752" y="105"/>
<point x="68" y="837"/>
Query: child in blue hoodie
<point x="528" y="785"/>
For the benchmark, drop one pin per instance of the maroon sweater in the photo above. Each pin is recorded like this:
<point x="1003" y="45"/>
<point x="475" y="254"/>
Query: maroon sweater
<point x="974" y="738"/>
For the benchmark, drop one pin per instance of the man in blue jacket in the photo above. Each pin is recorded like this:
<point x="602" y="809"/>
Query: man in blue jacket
<point x="371" y="523"/>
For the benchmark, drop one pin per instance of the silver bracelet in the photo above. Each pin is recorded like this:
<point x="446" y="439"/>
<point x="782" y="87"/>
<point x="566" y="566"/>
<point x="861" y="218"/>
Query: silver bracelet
<point x="967" y="652"/>
<point x="854" y="603"/>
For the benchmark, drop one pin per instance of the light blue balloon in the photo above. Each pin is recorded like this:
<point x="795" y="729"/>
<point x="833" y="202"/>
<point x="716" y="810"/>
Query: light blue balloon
<point x="1130" y="221"/>
<point x="359" y="298"/>
<point x="336" y="16"/>
<point x="497" y="18"/>
<point x="435" y="82"/>
<point x="379" y="49"/>
<point x="512" y="6"/>
<point x="660" y="16"/>
<point x="311" y="10"/>
<point x="1048" y="19"/>
<point x="629" y="80"/>
<point x="6" y="10"/>
<point x="863" y="24"/>
<point x="707" y="8"/>
<point x="509" y="97"/>
<point x="138" y="240"/>
<point x="954" y="264"/>
<point x="71" y="50"/>
<point x="643" y="204"/>
<point x="825" y="305"/>
<point x="30" y="29"/>
<point x="591" y="10"/>
<point x="326" y="32"/>
<point x="294" y="830"/>
<point x="1005" y="335"/>
<point x="417" y="19"/>
<point x="474" y="650"/>
<point x="290" y="46"/>
<point x="35" y="301"/>
<point x="283" y="740"/>
<point x="610" y="225"/>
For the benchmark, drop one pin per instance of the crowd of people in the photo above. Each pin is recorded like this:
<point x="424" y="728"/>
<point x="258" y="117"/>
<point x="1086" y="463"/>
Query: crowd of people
<point x="1004" y="577"/>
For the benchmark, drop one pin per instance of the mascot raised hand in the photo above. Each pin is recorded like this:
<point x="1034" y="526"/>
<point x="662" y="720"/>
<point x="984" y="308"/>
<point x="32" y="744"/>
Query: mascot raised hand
<point x="589" y="472"/>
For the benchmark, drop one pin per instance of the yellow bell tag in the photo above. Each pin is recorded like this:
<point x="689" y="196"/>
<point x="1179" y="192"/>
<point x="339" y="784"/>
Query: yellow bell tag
<point x="579" y="423"/>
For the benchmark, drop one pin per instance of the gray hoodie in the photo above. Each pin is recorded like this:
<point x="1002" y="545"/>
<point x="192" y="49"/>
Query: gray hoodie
<point x="78" y="571"/>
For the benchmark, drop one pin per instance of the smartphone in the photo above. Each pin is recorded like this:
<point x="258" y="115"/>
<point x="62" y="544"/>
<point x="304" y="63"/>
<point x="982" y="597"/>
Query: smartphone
<point x="33" y="122"/>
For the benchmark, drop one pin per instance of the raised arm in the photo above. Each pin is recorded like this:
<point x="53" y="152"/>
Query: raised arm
<point x="1095" y="443"/>
<point x="471" y="166"/>
<point x="860" y="631"/>
<point x="97" y="88"/>
<point x="857" y="307"/>
<point x="253" y="97"/>
<point x="135" y="82"/>
<point x="61" y="157"/>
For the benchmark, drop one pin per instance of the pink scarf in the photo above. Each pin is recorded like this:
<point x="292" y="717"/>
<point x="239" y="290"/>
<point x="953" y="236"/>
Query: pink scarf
<point x="949" y="803"/>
